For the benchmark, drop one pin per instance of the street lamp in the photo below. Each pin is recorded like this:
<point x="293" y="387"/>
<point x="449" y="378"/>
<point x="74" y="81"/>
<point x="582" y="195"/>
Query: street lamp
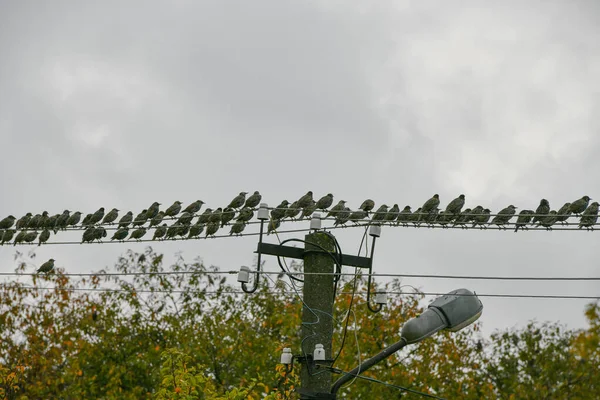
<point x="452" y="311"/>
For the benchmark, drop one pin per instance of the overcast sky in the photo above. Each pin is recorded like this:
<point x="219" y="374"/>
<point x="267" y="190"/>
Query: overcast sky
<point x="119" y="104"/>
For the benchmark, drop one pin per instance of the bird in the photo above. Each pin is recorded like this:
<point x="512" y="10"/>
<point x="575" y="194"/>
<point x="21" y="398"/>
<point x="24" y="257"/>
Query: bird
<point x="579" y="206"/>
<point x="157" y="219"/>
<point x="23" y="221"/>
<point x="463" y="218"/>
<point x="294" y="209"/>
<point x="74" y="219"/>
<point x="19" y="238"/>
<point x="523" y="219"/>
<point x="97" y="216"/>
<point x="380" y="213"/>
<point x="481" y="218"/>
<point x="194" y="207"/>
<point x="8" y="235"/>
<point x="212" y="228"/>
<point x="195" y="230"/>
<point x="357" y="216"/>
<point x="549" y="220"/>
<point x="120" y="234"/>
<point x="46" y="267"/>
<point x="88" y="235"/>
<point x="564" y="213"/>
<point x="416" y="217"/>
<point x="404" y="216"/>
<point x="503" y="216"/>
<point x="253" y="200"/>
<point x="237" y="228"/>
<point x="34" y="221"/>
<point x="50" y="222"/>
<point x="238" y="201"/>
<point x="444" y="218"/>
<point x="431" y="204"/>
<point x="7" y="222"/>
<point x="30" y="236"/>
<point x="62" y="220"/>
<point x="86" y="220"/>
<point x="227" y="215"/>
<point x="172" y="231"/>
<point x="183" y="230"/>
<point x="153" y="210"/>
<point x="246" y="214"/>
<point x="309" y="210"/>
<point x="111" y="216"/>
<point x="140" y="219"/>
<point x="305" y="200"/>
<point x="431" y="216"/>
<point x="126" y="220"/>
<point x="185" y="218"/>
<point x="392" y="213"/>
<point x="542" y="210"/>
<point x="99" y="233"/>
<point x="337" y="208"/>
<point x="174" y="209"/>
<point x="456" y="205"/>
<point x="342" y="216"/>
<point x="205" y="216"/>
<point x="279" y="211"/>
<point x="160" y="232"/>
<point x="323" y="203"/>
<point x="138" y="233"/>
<point x="42" y="221"/>
<point x="216" y="216"/>
<point x="367" y="205"/>
<point x="273" y="225"/>
<point x="589" y="216"/>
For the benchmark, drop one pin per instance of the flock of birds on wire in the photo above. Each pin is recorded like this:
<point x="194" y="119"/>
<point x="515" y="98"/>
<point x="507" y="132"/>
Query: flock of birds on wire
<point x="240" y="211"/>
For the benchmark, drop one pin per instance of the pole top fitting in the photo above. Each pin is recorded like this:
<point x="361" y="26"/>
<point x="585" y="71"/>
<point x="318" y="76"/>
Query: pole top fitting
<point x="315" y="222"/>
<point x="375" y="230"/>
<point x="263" y="211"/>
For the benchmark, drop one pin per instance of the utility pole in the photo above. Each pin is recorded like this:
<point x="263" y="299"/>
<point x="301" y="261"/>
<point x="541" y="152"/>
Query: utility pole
<point x="317" y="324"/>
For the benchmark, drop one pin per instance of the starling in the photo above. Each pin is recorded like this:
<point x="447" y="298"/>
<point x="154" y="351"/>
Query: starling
<point x="237" y="228"/>
<point x="579" y="206"/>
<point x="51" y="222"/>
<point x="481" y="218"/>
<point x="126" y="220"/>
<point x="120" y="234"/>
<point x="212" y="228"/>
<point x="194" y="207"/>
<point x="308" y="211"/>
<point x="431" y="204"/>
<point x="445" y="217"/>
<point x="62" y="220"/>
<point x="294" y="209"/>
<point x="138" y="233"/>
<point x="367" y="205"/>
<point x="8" y="235"/>
<point x="196" y="230"/>
<point x="216" y="215"/>
<point x="88" y="235"/>
<point x="86" y="220"/>
<point x="305" y="200"/>
<point x="380" y="213"/>
<point x="111" y="216"/>
<point x="43" y="219"/>
<point x="253" y="200"/>
<point x="549" y="220"/>
<point x="99" y="233"/>
<point x="323" y="203"/>
<point x="238" y="201"/>
<point x="456" y="205"/>
<point x="185" y="218"/>
<point x="160" y="232"/>
<point x="34" y="221"/>
<point x="140" y="219"/>
<point x="337" y="208"/>
<point x="153" y="210"/>
<point x="23" y="221"/>
<point x="183" y="230"/>
<point x="246" y="214"/>
<point x="74" y="219"/>
<point x="20" y="237"/>
<point x="542" y="210"/>
<point x="227" y="215"/>
<point x="157" y="219"/>
<point x="417" y="217"/>
<point x="588" y="217"/>
<point x="30" y="236"/>
<point x="97" y="216"/>
<point x="431" y="216"/>
<point x="357" y="216"/>
<point x="205" y="216"/>
<point x="342" y="216"/>
<point x="279" y="211"/>
<point x="463" y="218"/>
<point x="523" y="219"/>
<point x="404" y="216"/>
<point x="563" y="213"/>
<point x="47" y="266"/>
<point x="273" y="225"/>
<point x="172" y="231"/>
<point x="392" y="213"/>
<point x="503" y="216"/>
<point x="7" y="222"/>
<point x="173" y="210"/>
